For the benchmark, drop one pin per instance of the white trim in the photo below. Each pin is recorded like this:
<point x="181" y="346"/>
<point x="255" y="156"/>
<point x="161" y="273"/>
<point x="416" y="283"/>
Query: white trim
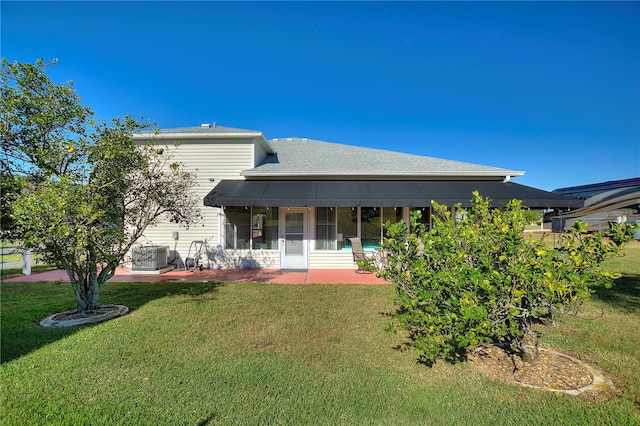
<point x="217" y="135"/>
<point x="400" y="174"/>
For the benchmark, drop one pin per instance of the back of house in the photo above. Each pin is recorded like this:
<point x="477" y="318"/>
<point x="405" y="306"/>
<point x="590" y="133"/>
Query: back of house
<point x="293" y="203"/>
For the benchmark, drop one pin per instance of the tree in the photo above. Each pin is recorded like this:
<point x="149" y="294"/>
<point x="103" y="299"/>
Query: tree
<point x="475" y="279"/>
<point x="10" y="187"/>
<point x="37" y="120"/>
<point x="90" y="191"/>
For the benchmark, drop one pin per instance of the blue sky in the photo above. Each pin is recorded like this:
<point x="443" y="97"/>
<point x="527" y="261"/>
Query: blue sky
<point x="550" y="88"/>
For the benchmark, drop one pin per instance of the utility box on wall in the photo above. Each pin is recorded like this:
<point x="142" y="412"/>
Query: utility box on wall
<point x="150" y="258"/>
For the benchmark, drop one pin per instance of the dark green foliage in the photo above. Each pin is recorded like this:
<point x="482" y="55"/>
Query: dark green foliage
<point x="9" y="190"/>
<point x="475" y="279"/>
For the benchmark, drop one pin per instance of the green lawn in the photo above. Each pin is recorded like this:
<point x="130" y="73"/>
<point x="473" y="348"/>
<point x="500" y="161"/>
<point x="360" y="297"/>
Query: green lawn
<point x="209" y="353"/>
<point x="13" y="257"/>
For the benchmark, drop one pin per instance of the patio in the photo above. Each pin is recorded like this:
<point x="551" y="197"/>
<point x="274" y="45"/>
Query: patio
<point x="274" y="276"/>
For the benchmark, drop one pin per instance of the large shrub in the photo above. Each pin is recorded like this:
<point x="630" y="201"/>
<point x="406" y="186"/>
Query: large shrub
<point x="475" y="278"/>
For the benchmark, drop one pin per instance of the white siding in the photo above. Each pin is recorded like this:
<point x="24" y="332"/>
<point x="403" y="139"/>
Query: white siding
<point x="217" y="160"/>
<point x="244" y="259"/>
<point x="259" y="154"/>
<point x="270" y="259"/>
<point x="339" y="259"/>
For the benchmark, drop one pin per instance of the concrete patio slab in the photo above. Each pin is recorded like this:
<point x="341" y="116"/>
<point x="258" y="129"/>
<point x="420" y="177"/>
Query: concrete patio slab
<point x="276" y="276"/>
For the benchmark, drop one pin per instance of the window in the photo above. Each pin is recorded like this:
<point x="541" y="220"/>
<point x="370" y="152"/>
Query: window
<point x="264" y="228"/>
<point x="251" y="227"/>
<point x="237" y="227"/>
<point x="257" y="227"/>
<point x="347" y="218"/>
<point x="325" y="228"/>
<point x="370" y="227"/>
<point x="334" y="226"/>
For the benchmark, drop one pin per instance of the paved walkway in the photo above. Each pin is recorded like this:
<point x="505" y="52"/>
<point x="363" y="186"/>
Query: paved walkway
<point x="276" y="276"/>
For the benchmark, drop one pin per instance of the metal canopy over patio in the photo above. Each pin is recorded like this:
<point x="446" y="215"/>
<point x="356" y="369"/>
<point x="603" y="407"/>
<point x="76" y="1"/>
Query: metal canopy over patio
<point x="378" y="193"/>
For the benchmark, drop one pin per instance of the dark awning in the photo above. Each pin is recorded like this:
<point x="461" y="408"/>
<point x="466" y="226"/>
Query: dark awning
<point x="388" y="193"/>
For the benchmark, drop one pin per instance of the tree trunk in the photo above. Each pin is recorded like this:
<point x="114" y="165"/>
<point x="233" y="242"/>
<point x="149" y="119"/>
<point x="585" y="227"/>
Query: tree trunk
<point x="86" y="288"/>
<point x="93" y="293"/>
<point x="528" y="347"/>
<point x="530" y="354"/>
<point x="77" y="290"/>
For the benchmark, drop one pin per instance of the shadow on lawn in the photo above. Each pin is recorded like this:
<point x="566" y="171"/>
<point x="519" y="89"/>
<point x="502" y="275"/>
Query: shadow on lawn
<point x="624" y="295"/>
<point x="21" y="334"/>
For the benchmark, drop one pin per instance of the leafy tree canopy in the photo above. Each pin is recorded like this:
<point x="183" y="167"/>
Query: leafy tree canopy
<point x="81" y="192"/>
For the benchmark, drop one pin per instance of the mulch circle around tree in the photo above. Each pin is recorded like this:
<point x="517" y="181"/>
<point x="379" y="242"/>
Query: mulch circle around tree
<point x="72" y="317"/>
<point x="553" y="371"/>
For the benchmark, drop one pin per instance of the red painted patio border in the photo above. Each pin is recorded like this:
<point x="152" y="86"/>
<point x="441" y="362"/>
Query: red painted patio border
<point x="316" y="276"/>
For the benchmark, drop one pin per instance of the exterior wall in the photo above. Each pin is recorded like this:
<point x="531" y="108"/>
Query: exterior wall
<point x="339" y="259"/>
<point x="210" y="160"/>
<point x="218" y="258"/>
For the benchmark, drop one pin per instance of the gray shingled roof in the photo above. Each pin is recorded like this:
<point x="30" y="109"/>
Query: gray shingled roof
<point x="304" y="157"/>
<point x="211" y="128"/>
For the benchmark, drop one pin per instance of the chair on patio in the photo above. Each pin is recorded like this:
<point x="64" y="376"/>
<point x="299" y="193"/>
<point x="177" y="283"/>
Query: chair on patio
<point x="365" y="262"/>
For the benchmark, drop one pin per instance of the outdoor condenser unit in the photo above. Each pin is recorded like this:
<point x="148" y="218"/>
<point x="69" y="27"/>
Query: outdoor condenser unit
<point x="150" y="258"/>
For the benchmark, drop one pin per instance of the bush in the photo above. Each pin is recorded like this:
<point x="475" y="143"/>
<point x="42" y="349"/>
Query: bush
<point x="476" y="280"/>
<point x="366" y="265"/>
<point x="622" y="233"/>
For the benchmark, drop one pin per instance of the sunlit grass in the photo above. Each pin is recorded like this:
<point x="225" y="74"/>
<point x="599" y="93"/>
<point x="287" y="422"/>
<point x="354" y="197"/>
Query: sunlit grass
<point x="208" y="353"/>
<point x="12" y="257"/>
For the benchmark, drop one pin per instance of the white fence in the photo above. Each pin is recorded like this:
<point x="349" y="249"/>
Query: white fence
<point x="26" y="262"/>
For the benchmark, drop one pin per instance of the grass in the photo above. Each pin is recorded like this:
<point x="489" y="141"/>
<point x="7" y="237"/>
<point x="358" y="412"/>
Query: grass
<point x="13" y="257"/>
<point x="212" y="353"/>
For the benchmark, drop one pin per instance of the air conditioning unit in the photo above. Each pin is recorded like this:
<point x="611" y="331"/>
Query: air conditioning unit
<point x="150" y="258"/>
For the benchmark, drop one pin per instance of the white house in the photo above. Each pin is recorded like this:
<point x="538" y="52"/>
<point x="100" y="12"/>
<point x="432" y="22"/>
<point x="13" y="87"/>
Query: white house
<point x="292" y="203"/>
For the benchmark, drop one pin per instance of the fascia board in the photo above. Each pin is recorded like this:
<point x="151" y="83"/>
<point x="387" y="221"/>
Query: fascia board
<point x="403" y="174"/>
<point x="247" y="135"/>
